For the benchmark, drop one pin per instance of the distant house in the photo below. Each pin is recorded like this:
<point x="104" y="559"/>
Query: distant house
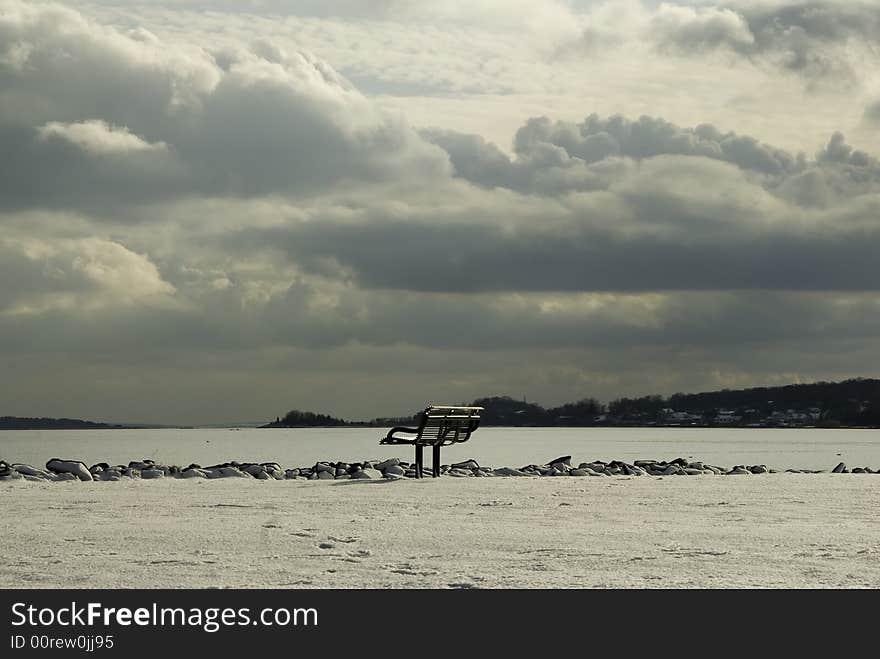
<point x="684" y="418"/>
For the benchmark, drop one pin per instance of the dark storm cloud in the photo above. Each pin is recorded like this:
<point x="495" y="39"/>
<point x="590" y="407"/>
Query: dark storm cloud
<point x="803" y="37"/>
<point x="473" y="258"/>
<point x="625" y="205"/>
<point x="597" y="138"/>
<point x="653" y="207"/>
<point x="305" y="316"/>
<point x="96" y="119"/>
<point x="555" y="156"/>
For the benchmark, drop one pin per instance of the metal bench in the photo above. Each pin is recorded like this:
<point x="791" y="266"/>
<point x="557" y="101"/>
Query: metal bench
<point x="439" y="425"/>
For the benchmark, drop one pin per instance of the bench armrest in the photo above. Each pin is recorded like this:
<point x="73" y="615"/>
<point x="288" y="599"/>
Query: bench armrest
<point x="401" y="429"/>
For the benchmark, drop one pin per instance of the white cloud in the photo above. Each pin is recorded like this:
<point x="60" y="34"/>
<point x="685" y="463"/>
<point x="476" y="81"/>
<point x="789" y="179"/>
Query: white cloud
<point x="98" y="137"/>
<point x="77" y="274"/>
<point x="701" y="27"/>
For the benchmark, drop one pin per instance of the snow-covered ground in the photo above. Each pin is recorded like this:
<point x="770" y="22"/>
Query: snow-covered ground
<point x="770" y="530"/>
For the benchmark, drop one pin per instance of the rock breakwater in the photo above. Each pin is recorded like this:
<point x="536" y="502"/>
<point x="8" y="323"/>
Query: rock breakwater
<point x="58" y="469"/>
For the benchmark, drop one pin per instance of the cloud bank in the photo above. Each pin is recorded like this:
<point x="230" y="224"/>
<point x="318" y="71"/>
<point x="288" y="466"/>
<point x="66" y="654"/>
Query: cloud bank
<point x="237" y="217"/>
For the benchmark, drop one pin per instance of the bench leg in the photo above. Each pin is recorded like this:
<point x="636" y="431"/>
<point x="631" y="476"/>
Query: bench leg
<point x="436" y="464"/>
<point x="419" y="460"/>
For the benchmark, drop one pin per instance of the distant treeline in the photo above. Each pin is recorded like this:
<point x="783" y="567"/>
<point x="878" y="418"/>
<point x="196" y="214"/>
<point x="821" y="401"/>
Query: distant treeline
<point x="25" y="423"/>
<point x="849" y="403"/>
<point x="298" y="419"/>
<point x="853" y="402"/>
<point x="506" y="411"/>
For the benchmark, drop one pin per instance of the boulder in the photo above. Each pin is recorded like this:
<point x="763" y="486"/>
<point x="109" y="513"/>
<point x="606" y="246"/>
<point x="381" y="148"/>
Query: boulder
<point x="394" y="470"/>
<point x="367" y="474"/>
<point x="75" y="467"/>
<point x="840" y="469"/>
<point x="192" y="473"/>
<point x="231" y="472"/>
<point x="152" y="473"/>
<point x="390" y="462"/>
<point x="27" y="470"/>
<point x="565" y="459"/>
<point x="467" y="464"/>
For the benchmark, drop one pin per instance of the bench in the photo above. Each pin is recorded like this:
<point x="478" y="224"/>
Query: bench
<point x="439" y="425"/>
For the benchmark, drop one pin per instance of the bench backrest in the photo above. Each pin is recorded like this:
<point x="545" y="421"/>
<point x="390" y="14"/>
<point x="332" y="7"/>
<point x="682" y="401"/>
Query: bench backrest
<point x="443" y="425"/>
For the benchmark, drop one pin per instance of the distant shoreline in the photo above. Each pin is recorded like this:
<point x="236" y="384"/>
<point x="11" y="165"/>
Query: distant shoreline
<point x="850" y="404"/>
<point x="47" y="423"/>
<point x="100" y="426"/>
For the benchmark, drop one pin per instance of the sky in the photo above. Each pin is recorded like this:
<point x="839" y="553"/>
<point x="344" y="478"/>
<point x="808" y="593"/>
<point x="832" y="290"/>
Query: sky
<point x="221" y="211"/>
